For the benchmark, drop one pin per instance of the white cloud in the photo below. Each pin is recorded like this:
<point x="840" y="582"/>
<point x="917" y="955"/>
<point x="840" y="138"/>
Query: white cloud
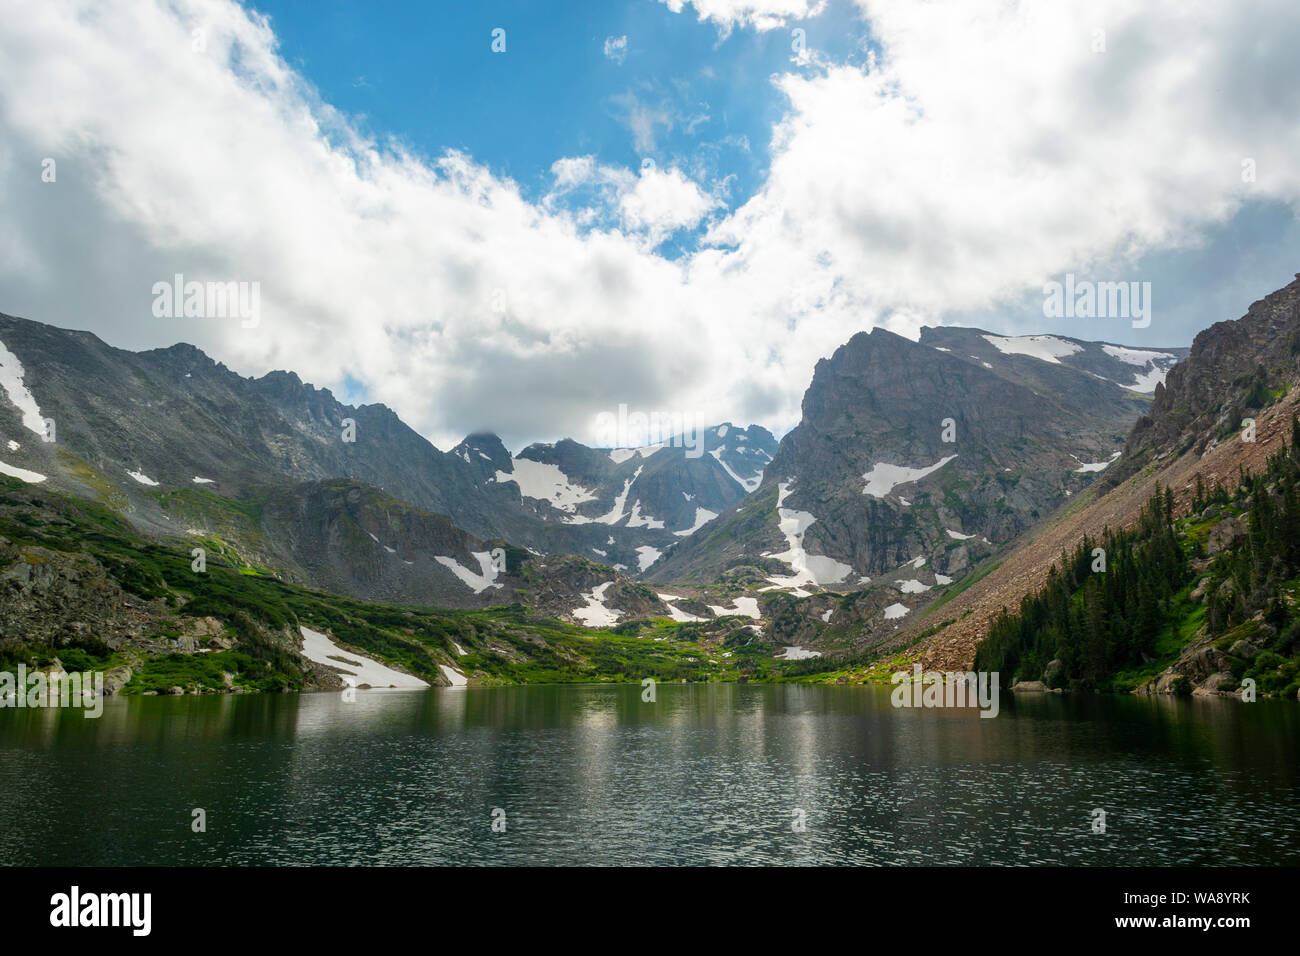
<point x="663" y="202"/>
<point x="759" y="14"/>
<point x="651" y="205"/>
<point x="616" y="48"/>
<point x="990" y="149"/>
<point x="986" y="150"/>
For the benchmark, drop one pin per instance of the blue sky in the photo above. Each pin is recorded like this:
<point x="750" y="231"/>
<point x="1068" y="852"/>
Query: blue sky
<point x="424" y="73"/>
<point x="419" y="73"/>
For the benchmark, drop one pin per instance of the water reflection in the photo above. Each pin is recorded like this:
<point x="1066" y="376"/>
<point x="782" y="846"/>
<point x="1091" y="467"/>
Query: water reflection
<point x="705" y="774"/>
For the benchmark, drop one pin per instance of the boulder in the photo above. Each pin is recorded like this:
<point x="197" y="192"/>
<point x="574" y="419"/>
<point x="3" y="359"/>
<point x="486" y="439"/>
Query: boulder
<point x="1029" y="687"/>
<point x="1224" y="534"/>
<point x="1211" y="685"/>
<point x="1243" y="649"/>
<point x="116" y="679"/>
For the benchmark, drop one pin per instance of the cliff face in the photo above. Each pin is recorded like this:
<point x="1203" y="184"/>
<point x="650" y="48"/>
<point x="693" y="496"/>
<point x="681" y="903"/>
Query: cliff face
<point x="1238" y="369"/>
<point x="908" y="449"/>
<point x="1234" y="369"/>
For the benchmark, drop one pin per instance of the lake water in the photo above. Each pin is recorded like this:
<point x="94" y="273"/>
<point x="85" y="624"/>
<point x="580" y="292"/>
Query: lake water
<point x="707" y="774"/>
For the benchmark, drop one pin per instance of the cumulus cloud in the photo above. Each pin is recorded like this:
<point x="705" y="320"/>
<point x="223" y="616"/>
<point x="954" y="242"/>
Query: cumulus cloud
<point x="651" y="205"/>
<point x="984" y="154"/>
<point x="758" y="14"/>
<point x="986" y="149"/>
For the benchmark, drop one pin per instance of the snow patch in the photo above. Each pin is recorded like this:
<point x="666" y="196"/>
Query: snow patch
<point x="1088" y="466"/>
<point x="679" y="615"/>
<point x="702" y="517"/>
<point x="596" y="614"/>
<point x="615" y="514"/>
<point x="11" y="380"/>
<point x="912" y="586"/>
<point x="808" y="568"/>
<point x="22" y="474"/>
<point x="646" y="556"/>
<point x="637" y="520"/>
<point x="797" y="654"/>
<point x="477" y="583"/>
<point x="364" y="670"/>
<point x="456" y="677"/>
<point x="201" y="481"/>
<point x="745" y="606"/>
<point x="895" y="611"/>
<point x="957" y="535"/>
<point x="883" y="477"/>
<point x="1048" y="348"/>
<point x="143" y="478"/>
<point x="545" y="482"/>
<point x="749" y="484"/>
<point x="620" y="455"/>
<point x="1141" y="357"/>
<point x="1146" y="382"/>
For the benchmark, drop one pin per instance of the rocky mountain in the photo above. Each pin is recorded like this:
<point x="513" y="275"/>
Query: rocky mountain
<point x="914" y="462"/>
<point x="664" y="492"/>
<point x="1041" y="359"/>
<point x="1234" y="369"/>
<point x="153" y="430"/>
<point x="82" y="589"/>
<point x="1192" y="436"/>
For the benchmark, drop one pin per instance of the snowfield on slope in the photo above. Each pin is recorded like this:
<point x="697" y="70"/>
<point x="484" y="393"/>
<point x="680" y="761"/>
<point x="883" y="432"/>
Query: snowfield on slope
<point x="22" y="474"/>
<point x="596" y="614"/>
<point x="1047" y="348"/>
<point x="620" y="455"/>
<point x="749" y="484"/>
<point x="13" y="383"/>
<point x="702" y="517"/>
<point x="884" y="478"/>
<point x="475" y="582"/>
<point x="545" y="482"/>
<point x="1140" y="357"/>
<point x="1088" y="466"/>
<point x="638" y="520"/>
<point x="615" y="513"/>
<point x="746" y="606"/>
<point x="1146" y="382"/>
<point x="816" y="569"/>
<point x="321" y="649"/>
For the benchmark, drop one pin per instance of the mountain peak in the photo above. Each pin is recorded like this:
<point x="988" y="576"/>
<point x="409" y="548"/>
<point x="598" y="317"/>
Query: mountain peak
<point x="484" y="449"/>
